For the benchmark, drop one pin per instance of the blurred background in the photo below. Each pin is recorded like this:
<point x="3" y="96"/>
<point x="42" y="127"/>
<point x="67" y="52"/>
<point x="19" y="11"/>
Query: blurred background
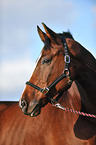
<point x="20" y="44"/>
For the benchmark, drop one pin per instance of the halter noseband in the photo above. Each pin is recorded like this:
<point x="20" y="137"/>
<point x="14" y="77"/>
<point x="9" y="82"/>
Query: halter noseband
<point x="65" y="74"/>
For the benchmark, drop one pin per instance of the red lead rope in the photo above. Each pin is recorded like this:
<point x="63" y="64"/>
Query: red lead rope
<point x="56" y="104"/>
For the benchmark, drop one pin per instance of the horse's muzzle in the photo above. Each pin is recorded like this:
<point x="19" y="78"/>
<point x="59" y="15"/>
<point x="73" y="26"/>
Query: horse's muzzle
<point x="32" y="109"/>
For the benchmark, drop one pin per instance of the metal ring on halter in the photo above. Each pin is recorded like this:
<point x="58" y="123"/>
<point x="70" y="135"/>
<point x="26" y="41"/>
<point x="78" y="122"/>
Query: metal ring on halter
<point x="67" y="59"/>
<point x="66" y="71"/>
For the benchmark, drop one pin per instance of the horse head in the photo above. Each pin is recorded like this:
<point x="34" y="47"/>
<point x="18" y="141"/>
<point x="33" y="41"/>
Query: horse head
<point x="50" y="66"/>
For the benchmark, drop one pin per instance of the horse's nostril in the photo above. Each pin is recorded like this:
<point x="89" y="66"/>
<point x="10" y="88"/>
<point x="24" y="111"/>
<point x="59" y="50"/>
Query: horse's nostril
<point x="23" y="103"/>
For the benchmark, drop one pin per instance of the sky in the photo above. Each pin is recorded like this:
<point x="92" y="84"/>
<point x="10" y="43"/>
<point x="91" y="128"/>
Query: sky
<point x="20" y="44"/>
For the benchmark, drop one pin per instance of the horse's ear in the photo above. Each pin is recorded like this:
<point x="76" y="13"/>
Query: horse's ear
<point x="41" y="34"/>
<point x="51" y="34"/>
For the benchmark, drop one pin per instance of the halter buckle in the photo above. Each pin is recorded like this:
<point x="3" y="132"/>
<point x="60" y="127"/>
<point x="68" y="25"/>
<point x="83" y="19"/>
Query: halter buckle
<point x="45" y="91"/>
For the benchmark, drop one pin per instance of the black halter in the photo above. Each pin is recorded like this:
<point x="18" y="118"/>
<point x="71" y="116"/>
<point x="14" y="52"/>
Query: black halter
<point x="65" y="74"/>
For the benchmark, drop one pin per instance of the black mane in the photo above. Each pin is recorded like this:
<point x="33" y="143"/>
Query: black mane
<point x="66" y="35"/>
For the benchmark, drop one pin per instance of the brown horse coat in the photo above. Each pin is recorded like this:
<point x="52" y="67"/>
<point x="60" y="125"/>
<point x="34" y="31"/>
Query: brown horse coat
<point x="51" y="127"/>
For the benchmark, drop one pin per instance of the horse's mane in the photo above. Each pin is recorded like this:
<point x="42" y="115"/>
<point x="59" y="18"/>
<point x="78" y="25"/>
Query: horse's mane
<point x="66" y="34"/>
<point x="89" y="59"/>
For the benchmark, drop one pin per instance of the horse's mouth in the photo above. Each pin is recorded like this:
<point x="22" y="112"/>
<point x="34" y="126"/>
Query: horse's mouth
<point x="32" y="109"/>
<point x="36" y="111"/>
<point x="37" y="108"/>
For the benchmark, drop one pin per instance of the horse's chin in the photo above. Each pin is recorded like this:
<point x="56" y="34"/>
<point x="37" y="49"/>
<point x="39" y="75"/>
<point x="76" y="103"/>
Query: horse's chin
<point x="35" y="112"/>
<point x="37" y="109"/>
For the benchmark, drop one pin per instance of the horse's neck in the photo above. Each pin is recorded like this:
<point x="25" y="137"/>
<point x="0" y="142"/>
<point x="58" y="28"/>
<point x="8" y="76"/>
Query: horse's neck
<point x="71" y="98"/>
<point x="87" y="80"/>
<point x="76" y="98"/>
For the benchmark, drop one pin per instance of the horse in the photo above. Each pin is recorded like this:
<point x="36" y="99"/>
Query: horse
<point x="65" y="73"/>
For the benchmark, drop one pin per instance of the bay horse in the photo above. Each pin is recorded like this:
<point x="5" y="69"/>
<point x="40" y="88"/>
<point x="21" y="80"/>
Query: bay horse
<point x="65" y="71"/>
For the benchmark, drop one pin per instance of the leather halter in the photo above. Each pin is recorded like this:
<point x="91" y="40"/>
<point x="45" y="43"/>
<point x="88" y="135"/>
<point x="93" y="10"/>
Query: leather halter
<point x="65" y="74"/>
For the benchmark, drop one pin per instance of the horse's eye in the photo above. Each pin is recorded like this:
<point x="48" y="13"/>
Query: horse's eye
<point x="46" y="61"/>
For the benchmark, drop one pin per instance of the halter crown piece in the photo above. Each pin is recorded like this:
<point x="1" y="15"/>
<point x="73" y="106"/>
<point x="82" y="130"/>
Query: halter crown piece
<point x="65" y="74"/>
